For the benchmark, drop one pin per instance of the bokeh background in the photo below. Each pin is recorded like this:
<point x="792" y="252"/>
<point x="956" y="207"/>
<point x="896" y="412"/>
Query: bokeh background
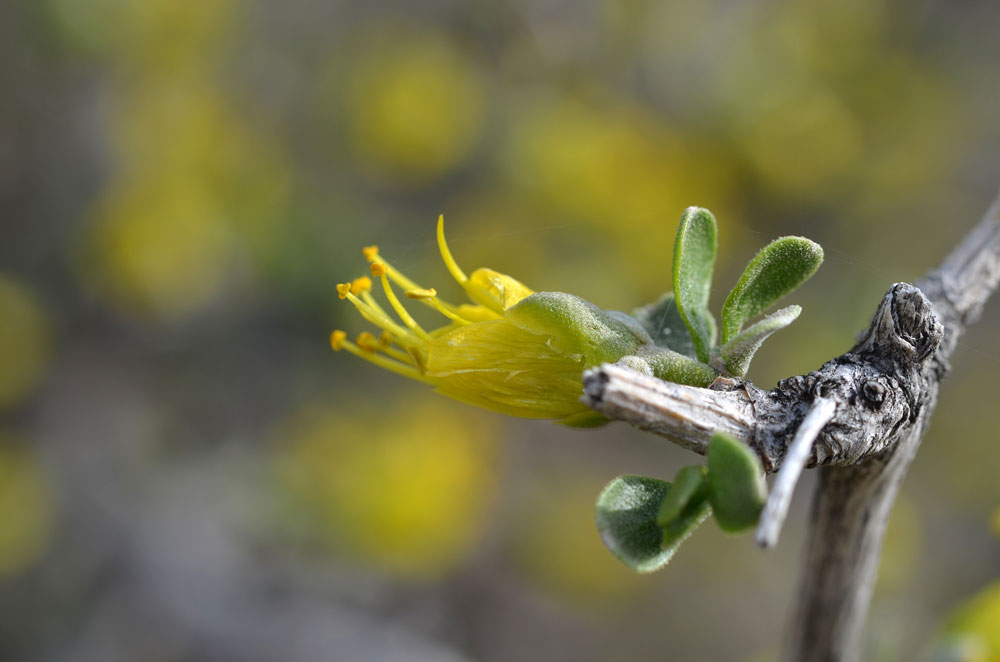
<point x="187" y="472"/>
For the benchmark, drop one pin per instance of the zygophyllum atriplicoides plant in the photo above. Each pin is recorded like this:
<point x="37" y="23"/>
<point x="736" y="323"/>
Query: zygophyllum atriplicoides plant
<point x="523" y="353"/>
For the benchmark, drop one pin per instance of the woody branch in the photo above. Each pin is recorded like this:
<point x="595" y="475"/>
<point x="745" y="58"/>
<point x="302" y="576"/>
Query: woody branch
<point x="883" y="393"/>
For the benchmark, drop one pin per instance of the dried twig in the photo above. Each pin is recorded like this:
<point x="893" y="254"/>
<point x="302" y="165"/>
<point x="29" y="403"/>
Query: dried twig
<point x="776" y="508"/>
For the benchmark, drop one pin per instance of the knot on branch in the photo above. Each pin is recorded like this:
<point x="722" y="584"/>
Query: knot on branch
<point x="904" y="327"/>
<point x="880" y="386"/>
<point x="872" y="406"/>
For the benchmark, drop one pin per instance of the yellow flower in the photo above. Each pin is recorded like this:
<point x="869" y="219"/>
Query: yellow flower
<point x="514" y="351"/>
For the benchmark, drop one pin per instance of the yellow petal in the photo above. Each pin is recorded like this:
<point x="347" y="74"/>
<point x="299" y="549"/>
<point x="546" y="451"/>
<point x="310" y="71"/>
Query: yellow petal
<point x="495" y="364"/>
<point x="495" y="290"/>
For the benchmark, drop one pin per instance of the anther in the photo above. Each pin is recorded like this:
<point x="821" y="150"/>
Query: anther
<point x="359" y="285"/>
<point x="337" y="339"/>
<point x="343" y="289"/>
<point x="370" y="252"/>
<point x="378" y="269"/>
<point x="367" y="342"/>
<point x="420" y="293"/>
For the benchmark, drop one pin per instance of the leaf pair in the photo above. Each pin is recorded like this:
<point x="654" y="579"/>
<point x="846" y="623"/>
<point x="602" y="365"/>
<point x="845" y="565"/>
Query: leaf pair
<point x="776" y="270"/>
<point x="644" y="520"/>
<point x="626" y="516"/>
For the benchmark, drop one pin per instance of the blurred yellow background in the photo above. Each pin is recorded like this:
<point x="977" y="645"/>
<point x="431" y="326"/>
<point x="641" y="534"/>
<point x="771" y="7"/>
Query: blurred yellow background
<point x="187" y="472"/>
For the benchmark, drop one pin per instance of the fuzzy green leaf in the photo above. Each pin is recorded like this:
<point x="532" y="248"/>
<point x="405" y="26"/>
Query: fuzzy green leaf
<point x="663" y="322"/>
<point x="776" y="270"/>
<point x="738" y="352"/>
<point x="626" y="518"/>
<point x="578" y="326"/>
<point x="689" y="487"/>
<point x="694" y="260"/>
<point x="736" y="487"/>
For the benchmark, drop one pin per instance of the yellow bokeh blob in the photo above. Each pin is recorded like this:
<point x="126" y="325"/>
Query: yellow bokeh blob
<point x="194" y="186"/>
<point x="161" y="252"/>
<point x="801" y="140"/>
<point x="179" y="127"/>
<point x="162" y="34"/>
<point x="182" y="129"/>
<point x="25" y="507"/>
<point x="416" y="106"/>
<point x="24" y="342"/>
<point x="973" y="632"/>
<point x="901" y="548"/>
<point x="404" y="487"/>
<point x="183" y="134"/>
<point x="618" y="165"/>
<point x="828" y="38"/>
<point x="613" y="165"/>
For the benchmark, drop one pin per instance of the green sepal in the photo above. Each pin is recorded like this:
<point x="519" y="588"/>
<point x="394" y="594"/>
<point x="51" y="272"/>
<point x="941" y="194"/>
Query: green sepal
<point x="736" y="487"/>
<point x="776" y="270"/>
<point x="585" y="419"/>
<point x="632" y="324"/>
<point x="576" y="326"/>
<point x="663" y="322"/>
<point x="694" y="260"/>
<point x="670" y="366"/>
<point x="689" y="487"/>
<point x="738" y="352"/>
<point x="626" y="519"/>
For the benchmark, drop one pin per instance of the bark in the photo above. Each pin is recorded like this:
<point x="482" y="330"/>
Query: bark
<point x="884" y="391"/>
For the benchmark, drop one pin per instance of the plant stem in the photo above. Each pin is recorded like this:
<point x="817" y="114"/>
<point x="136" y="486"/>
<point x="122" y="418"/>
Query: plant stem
<point x="885" y="391"/>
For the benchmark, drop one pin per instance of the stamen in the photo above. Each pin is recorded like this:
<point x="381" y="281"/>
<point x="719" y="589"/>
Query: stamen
<point x="387" y="363"/>
<point x="420" y="293"/>
<point x="380" y="319"/>
<point x="435" y="303"/>
<point x="367" y="342"/>
<point x="343" y="289"/>
<point x="429" y="297"/>
<point x="449" y="261"/>
<point x="397" y="277"/>
<point x="359" y="285"/>
<point x="371" y="253"/>
<point x="378" y="269"/>
<point x="418" y="359"/>
<point x="337" y="338"/>
<point x="370" y="300"/>
<point x="384" y="344"/>
<point x="398" y="307"/>
<point x="450" y="314"/>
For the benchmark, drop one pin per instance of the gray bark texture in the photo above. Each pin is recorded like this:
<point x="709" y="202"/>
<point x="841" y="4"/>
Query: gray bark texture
<point x="884" y="391"/>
